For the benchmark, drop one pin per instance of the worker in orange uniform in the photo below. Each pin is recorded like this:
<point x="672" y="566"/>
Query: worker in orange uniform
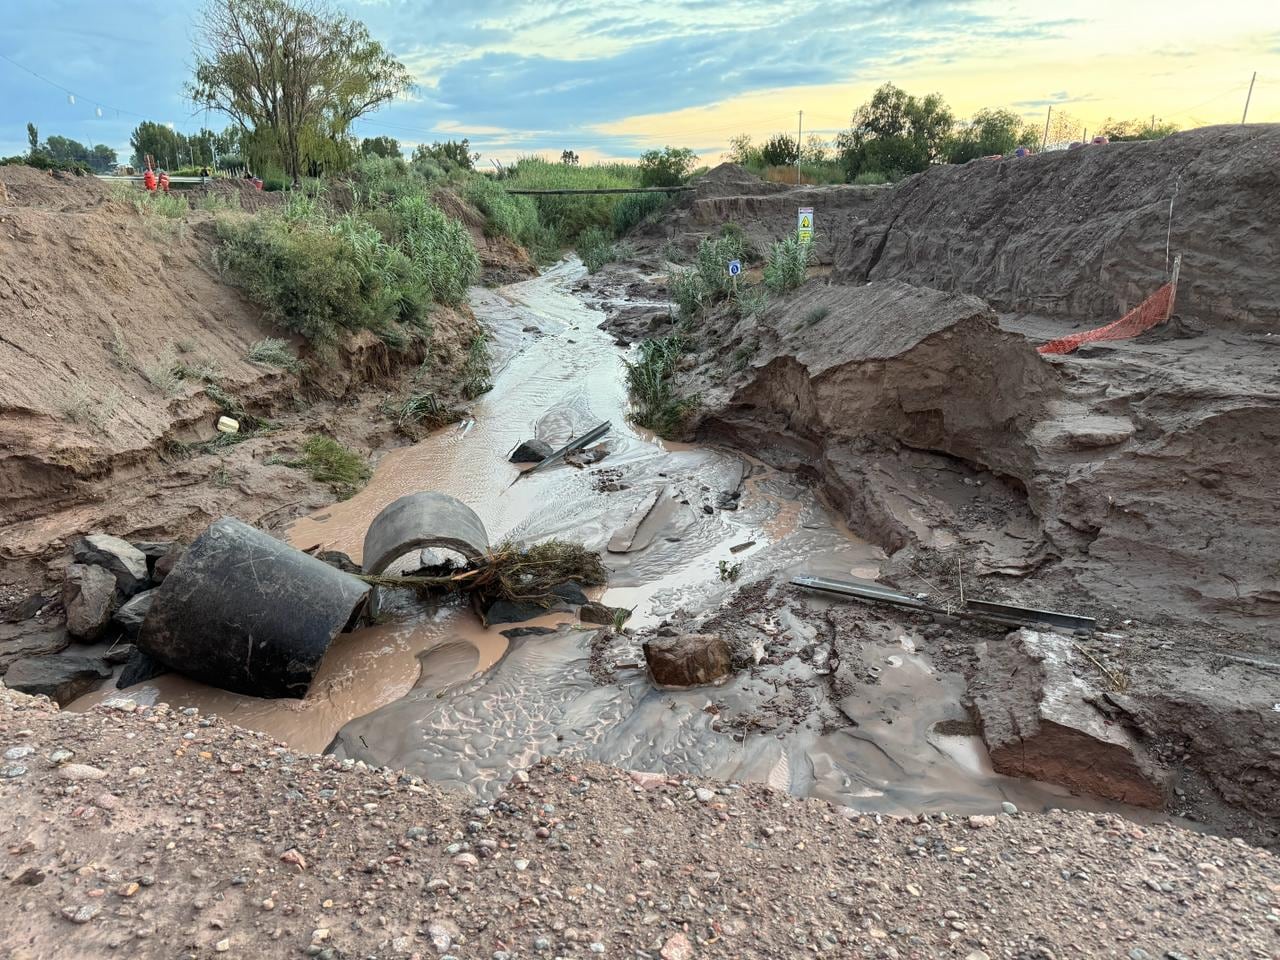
<point x="164" y="181"/>
<point x="149" y="180"/>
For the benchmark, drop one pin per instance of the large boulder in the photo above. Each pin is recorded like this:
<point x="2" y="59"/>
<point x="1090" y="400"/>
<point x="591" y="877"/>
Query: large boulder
<point x="1039" y="722"/>
<point x="153" y="550"/>
<point x="30" y="639"/>
<point x="165" y="563"/>
<point x="687" y="659"/>
<point x="138" y="668"/>
<point x="89" y="598"/>
<point x="133" y="611"/>
<point x="126" y="562"/>
<point x="60" y="677"/>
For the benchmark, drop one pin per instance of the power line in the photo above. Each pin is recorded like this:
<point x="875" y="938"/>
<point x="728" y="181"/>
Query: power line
<point x="69" y="92"/>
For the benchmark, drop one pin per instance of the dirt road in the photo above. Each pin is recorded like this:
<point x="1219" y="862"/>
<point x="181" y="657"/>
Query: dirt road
<point x="157" y="834"/>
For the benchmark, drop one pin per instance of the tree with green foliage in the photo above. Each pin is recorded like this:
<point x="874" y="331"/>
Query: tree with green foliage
<point x="666" y="167"/>
<point x="987" y="133"/>
<point x="158" y="140"/>
<point x="379" y="147"/>
<point x="99" y="158"/>
<point x="569" y="158"/>
<point x="33" y="139"/>
<point x="815" y="150"/>
<point x="780" y="150"/>
<point x="895" y="133"/>
<point x="1122" y="130"/>
<point x="743" y="151"/>
<point x="293" y="70"/>
<point x="451" y="155"/>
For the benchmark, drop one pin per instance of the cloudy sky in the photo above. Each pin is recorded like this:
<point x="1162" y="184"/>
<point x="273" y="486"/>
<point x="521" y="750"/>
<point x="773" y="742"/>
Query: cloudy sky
<point x="614" y="79"/>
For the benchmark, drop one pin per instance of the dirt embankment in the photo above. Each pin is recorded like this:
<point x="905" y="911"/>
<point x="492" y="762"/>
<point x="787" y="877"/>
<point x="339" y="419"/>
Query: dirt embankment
<point x="98" y="304"/>
<point x="1084" y="233"/>
<point x="1133" y="479"/>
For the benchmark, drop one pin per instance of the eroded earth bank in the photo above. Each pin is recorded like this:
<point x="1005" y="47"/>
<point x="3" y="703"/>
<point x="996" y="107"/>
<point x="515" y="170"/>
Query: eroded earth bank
<point x="861" y="778"/>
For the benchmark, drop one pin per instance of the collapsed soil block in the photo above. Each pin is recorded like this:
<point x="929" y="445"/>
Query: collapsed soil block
<point x="1039" y="722"/>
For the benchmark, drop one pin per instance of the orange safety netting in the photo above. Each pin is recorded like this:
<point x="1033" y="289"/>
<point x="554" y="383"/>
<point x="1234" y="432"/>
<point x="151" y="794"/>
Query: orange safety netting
<point x="1151" y="311"/>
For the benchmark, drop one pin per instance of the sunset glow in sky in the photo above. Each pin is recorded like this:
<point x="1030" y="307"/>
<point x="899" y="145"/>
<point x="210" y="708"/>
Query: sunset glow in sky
<point x="611" y="80"/>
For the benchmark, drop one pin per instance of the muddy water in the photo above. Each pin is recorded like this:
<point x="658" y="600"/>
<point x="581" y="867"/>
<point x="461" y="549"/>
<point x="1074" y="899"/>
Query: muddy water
<point x="555" y="376"/>
<point x="435" y="692"/>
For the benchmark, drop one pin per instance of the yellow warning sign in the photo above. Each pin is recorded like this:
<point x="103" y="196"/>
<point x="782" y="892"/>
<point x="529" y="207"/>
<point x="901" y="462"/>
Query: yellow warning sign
<point x="804" y="223"/>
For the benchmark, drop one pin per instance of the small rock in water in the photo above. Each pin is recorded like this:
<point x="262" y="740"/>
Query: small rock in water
<point x="1008" y="808"/>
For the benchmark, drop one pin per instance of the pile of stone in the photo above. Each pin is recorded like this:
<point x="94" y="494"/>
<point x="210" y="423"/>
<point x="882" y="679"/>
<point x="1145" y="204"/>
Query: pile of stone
<point x="106" y="593"/>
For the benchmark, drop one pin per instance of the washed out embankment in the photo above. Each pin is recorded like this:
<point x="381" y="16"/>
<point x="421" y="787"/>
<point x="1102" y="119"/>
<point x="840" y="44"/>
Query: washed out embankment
<point x="1131" y="479"/>
<point x="122" y="344"/>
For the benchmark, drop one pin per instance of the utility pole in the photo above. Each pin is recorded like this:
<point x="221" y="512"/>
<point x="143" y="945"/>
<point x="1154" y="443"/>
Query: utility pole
<point x="1248" y="97"/>
<point x="799" y="148"/>
<point x="1048" y="116"/>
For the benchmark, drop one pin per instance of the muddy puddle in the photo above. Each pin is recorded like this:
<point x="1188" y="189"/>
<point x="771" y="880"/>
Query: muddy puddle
<point x="438" y="694"/>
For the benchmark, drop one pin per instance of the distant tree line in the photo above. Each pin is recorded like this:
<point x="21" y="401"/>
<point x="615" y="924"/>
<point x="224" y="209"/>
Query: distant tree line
<point x="896" y="133"/>
<point x="64" y="152"/>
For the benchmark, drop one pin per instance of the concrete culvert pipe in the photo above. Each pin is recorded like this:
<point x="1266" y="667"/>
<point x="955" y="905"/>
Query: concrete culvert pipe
<point x="248" y="613"/>
<point x="420" y="520"/>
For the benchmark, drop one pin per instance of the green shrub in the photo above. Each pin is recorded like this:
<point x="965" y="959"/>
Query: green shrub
<point x="632" y="209"/>
<point x="596" y="248"/>
<point x="158" y="204"/>
<point x="651" y="387"/>
<point x="42" y="161"/>
<point x="475" y="371"/>
<point x="439" y="246"/>
<point x="273" y="352"/>
<point x="505" y="215"/>
<point x="306" y="277"/>
<point x="687" y="291"/>
<point x="752" y="301"/>
<point x="164" y="373"/>
<point x="213" y="202"/>
<point x="393" y="287"/>
<point x="712" y="264"/>
<point x="328" y="461"/>
<point x="666" y="167"/>
<point x="870" y="178"/>
<point x="788" y="264"/>
<point x="565" y="217"/>
<point x="423" y="408"/>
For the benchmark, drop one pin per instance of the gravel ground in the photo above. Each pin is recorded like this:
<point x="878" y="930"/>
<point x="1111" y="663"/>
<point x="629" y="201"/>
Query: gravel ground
<point x="151" y="833"/>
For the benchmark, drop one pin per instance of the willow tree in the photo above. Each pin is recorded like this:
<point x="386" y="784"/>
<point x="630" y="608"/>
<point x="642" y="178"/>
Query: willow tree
<point x="298" y="70"/>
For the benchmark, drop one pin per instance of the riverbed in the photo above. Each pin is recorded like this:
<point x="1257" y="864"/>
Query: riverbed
<point x="433" y="691"/>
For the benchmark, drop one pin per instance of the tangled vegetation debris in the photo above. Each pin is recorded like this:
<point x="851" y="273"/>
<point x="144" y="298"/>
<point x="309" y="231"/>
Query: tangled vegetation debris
<point x="511" y="571"/>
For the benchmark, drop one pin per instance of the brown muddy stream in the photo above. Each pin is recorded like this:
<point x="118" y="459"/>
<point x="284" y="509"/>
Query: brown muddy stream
<point x="436" y="693"/>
